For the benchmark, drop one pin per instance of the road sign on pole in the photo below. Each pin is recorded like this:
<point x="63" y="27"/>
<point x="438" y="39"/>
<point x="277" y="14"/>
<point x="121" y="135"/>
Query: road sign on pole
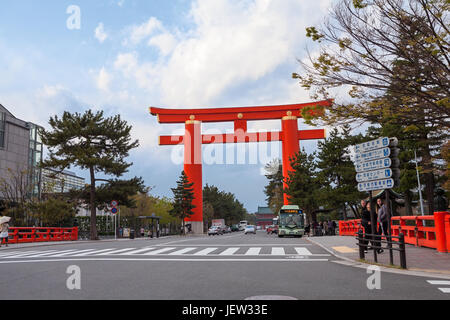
<point x="374" y="161"/>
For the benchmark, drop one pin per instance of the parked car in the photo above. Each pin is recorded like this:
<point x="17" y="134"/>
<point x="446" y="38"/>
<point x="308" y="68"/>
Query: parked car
<point x="272" y="229"/>
<point x="215" y="230"/>
<point x="250" y="229"/>
<point x="234" y="228"/>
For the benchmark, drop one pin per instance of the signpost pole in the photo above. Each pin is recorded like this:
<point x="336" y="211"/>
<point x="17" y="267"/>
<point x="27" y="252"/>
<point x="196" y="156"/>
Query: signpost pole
<point x="373" y="223"/>
<point x="388" y="237"/>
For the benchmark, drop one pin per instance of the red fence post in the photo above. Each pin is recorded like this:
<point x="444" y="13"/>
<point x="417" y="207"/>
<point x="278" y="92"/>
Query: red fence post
<point x="439" y="224"/>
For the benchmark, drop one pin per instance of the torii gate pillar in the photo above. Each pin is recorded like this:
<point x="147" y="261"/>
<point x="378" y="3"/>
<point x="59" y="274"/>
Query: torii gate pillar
<point x="193" y="170"/>
<point x="290" y="147"/>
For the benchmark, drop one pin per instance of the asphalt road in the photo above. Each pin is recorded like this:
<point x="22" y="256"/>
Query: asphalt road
<point x="228" y="267"/>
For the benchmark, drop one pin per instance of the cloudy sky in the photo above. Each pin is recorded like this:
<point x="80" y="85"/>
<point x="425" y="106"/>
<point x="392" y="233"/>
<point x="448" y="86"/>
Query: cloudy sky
<point x="123" y="56"/>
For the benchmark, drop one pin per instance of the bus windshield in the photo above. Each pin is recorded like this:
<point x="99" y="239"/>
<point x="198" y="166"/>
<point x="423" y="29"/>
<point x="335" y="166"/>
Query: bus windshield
<point x="291" y="220"/>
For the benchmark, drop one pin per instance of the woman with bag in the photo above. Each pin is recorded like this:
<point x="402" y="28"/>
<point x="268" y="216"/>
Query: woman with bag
<point x="4" y="233"/>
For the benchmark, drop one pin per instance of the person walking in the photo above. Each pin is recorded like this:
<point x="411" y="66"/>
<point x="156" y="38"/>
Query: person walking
<point x="4" y="233"/>
<point x="330" y="228"/>
<point x="383" y="219"/>
<point x="366" y="223"/>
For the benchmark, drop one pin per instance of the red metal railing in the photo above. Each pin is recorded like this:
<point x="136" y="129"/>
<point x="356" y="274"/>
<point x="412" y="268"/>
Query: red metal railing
<point x="422" y="231"/>
<point x="26" y="235"/>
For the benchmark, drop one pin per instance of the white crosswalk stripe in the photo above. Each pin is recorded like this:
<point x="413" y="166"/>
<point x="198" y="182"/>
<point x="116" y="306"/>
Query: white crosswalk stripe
<point x="278" y="252"/>
<point x="139" y="251"/>
<point x="115" y="252"/>
<point x="152" y="253"/>
<point x="229" y="251"/>
<point x="441" y="283"/>
<point x="166" y="251"/>
<point x="205" y="252"/>
<point x="182" y="251"/>
<point x="303" y="251"/>
<point x="253" y="252"/>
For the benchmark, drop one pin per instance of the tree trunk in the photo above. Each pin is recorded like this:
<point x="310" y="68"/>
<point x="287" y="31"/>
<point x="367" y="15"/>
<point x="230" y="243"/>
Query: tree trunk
<point x="408" y="206"/>
<point x="93" y="234"/>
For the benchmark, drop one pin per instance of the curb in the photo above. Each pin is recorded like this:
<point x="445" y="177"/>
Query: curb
<point x="411" y="271"/>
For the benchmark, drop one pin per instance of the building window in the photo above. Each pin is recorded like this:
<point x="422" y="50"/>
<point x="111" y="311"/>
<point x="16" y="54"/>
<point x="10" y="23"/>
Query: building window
<point x="2" y="129"/>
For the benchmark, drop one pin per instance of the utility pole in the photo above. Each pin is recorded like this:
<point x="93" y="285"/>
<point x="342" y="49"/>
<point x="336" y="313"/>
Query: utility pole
<point x="420" y="186"/>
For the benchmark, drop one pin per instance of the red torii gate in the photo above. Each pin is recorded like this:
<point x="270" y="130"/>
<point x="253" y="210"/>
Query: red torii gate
<point x="193" y="138"/>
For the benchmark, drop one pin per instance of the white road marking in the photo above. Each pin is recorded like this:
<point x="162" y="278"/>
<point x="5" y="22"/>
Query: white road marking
<point x="158" y="251"/>
<point x="135" y="252"/>
<point x="253" y="252"/>
<point x="165" y="260"/>
<point x="31" y="254"/>
<point x="229" y="251"/>
<point x="92" y="252"/>
<point x="70" y="252"/>
<point x="115" y="251"/>
<point x="303" y="252"/>
<point x="182" y="251"/>
<point x="3" y="255"/>
<point x="278" y="252"/>
<point x="441" y="283"/>
<point x="205" y="252"/>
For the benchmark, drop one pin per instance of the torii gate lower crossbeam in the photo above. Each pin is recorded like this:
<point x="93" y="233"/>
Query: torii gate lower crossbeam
<point x="193" y="138"/>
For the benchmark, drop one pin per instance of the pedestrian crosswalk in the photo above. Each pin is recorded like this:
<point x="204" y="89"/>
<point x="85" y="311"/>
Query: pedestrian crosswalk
<point x="442" y="285"/>
<point x="163" y="251"/>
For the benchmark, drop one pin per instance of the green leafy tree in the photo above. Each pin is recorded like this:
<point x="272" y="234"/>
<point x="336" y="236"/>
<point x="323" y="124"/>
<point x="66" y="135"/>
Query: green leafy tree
<point x="304" y="184"/>
<point x="274" y="189"/>
<point x="92" y="142"/>
<point x="225" y="205"/>
<point x="368" y="47"/>
<point x="55" y="212"/>
<point x="337" y="174"/>
<point x="183" y="197"/>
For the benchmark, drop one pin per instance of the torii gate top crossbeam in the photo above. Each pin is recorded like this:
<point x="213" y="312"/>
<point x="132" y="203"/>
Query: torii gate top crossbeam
<point x="233" y="114"/>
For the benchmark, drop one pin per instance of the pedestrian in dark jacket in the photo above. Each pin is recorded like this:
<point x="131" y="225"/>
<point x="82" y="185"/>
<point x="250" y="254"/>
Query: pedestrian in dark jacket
<point x="366" y="222"/>
<point x="383" y="218"/>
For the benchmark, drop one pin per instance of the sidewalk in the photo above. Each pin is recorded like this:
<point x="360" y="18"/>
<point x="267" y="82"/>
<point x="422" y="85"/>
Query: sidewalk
<point x="417" y="258"/>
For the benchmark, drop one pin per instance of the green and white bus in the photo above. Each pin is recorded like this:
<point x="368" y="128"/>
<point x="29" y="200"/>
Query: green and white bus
<point x="291" y="221"/>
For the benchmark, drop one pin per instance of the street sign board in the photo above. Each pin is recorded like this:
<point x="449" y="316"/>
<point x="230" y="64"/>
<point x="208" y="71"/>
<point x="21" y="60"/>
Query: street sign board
<point x="372" y="155"/>
<point x="374" y="175"/>
<point x="114" y="210"/>
<point x="376" y="185"/>
<point x="373" y="165"/>
<point x="114" y="203"/>
<point x="376" y="144"/>
<point x="372" y="145"/>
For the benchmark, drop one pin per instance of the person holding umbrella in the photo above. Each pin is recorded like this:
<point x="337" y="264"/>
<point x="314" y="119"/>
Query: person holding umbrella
<point x="4" y="230"/>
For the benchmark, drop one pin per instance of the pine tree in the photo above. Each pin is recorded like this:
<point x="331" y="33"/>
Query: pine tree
<point x="337" y="171"/>
<point x="183" y="197"/>
<point x="274" y="190"/>
<point x="304" y="184"/>
<point x="89" y="141"/>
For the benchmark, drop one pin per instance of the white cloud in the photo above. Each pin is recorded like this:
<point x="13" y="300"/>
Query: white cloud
<point x="231" y="43"/>
<point x="139" y="33"/>
<point x="100" y="33"/>
<point x="120" y="3"/>
<point x="103" y="80"/>
<point x="165" y="42"/>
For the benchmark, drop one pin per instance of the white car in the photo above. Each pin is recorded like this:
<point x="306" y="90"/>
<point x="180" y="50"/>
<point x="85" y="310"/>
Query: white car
<point x="250" y="229"/>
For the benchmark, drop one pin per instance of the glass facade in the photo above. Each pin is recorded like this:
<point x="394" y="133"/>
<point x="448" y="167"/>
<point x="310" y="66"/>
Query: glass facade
<point x="54" y="182"/>
<point x="34" y="160"/>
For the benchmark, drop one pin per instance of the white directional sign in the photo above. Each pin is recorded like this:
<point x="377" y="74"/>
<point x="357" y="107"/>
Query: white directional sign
<point x="374" y="175"/>
<point x="372" y="155"/>
<point x="373" y="165"/>
<point x="376" y="185"/>
<point x="372" y="145"/>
